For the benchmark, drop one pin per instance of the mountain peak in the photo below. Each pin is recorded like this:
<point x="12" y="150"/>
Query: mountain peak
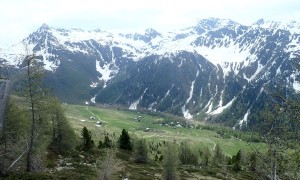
<point x="97" y="30"/>
<point x="152" y="32"/>
<point x="215" y="23"/>
<point x="45" y="26"/>
<point x="290" y="25"/>
<point x="260" y="22"/>
<point x="43" y="29"/>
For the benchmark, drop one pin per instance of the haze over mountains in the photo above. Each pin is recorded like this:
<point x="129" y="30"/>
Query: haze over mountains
<point x="217" y="69"/>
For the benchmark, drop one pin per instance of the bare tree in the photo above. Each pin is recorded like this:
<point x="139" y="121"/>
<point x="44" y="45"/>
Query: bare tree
<point x="141" y="151"/>
<point x="107" y="166"/>
<point x="5" y="89"/>
<point x="186" y="155"/>
<point x="170" y="162"/>
<point x="34" y="75"/>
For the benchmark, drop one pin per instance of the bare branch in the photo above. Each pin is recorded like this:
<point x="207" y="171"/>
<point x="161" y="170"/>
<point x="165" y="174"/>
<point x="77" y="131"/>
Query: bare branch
<point x="15" y="161"/>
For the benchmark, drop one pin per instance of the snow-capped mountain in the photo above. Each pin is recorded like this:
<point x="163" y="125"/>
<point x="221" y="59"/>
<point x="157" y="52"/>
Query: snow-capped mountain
<point x="292" y="26"/>
<point x="217" y="68"/>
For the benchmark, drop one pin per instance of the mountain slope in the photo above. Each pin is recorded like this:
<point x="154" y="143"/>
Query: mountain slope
<point x="218" y="69"/>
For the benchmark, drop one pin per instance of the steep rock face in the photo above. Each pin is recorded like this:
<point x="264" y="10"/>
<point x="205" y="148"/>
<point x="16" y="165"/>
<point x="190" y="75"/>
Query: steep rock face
<point x="164" y="83"/>
<point x="218" y="69"/>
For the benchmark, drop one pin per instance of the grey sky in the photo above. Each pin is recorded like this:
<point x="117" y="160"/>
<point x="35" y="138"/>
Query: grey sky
<point x="21" y="17"/>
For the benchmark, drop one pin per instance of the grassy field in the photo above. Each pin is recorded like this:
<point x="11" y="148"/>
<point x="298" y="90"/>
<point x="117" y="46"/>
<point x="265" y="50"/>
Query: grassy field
<point x="114" y="120"/>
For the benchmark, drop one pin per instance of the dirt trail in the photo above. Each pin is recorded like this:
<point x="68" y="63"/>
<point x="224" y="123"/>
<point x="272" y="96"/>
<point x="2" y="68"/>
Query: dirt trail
<point x="87" y="109"/>
<point x="214" y="148"/>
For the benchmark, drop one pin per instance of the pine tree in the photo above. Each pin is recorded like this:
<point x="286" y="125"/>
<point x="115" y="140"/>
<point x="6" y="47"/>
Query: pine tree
<point x="124" y="141"/>
<point x="253" y="162"/>
<point x="161" y="157"/>
<point x="100" y="145"/>
<point x="156" y="157"/>
<point x="87" y="139"/>
<point x="236" y="161"/>
<point x="107" y="142"/>
<point x="218" y="157"/>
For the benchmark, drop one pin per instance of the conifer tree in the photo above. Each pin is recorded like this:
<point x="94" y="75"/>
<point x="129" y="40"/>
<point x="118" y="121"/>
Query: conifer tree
<point x="218" y="157"/>
<point x="107" y="142"/>
<point x="87" y="143"/>
<point x="253" y="162"/>
<point x="124" y="141"/>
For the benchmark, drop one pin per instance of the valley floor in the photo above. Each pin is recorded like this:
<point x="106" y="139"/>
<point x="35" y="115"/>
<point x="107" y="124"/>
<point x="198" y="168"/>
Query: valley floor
<point x="157" y="129"/>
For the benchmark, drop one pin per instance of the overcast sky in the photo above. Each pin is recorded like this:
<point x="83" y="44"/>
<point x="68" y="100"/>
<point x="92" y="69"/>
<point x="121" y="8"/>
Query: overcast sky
<point x="18" y="18"/>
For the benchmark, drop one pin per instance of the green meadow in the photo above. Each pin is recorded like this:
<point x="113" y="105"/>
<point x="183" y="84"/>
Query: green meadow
<point x="149" y="126"/>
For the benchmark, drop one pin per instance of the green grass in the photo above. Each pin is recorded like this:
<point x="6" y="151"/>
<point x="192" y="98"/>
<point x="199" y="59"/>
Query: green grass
<point x="115" y="120"/>
<point x="124" y="166"/>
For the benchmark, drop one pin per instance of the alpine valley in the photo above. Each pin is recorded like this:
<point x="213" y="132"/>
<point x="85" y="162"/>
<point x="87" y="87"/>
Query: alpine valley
<point x="217" y="70"/>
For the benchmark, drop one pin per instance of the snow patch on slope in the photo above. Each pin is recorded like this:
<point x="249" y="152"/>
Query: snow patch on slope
<point x="219" y="55"/>
<point x="295" y="84"/>
<point x="210" y="107"/>
<point x="220" y="109"/>
<point x="94" y="84"/>
<point x="133" y="106"/>
<point x="106" y="71"/>
<point x="151" y="106"/>
<point x="258" y="70"/>
<point x="245" y="118"/>
<point x="93" y="100"/>
<point x="167" y="94"/>
<point x="185" y="111"/>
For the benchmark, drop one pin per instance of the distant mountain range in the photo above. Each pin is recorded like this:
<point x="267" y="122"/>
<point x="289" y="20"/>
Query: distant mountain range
<point x="217" y="70"/>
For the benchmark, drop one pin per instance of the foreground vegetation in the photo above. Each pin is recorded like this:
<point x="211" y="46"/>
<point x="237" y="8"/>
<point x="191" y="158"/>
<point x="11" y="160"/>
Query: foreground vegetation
<point x="109" y="143"/>
<point x="154" y="151"/>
